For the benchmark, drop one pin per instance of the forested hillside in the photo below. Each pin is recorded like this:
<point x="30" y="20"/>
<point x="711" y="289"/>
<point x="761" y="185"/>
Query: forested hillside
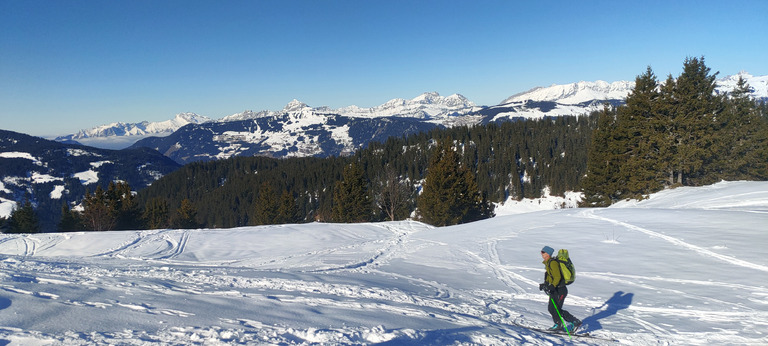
<point x="516" y="159"/>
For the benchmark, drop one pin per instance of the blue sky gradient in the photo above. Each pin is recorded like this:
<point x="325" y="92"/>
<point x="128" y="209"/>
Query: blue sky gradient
<point x="69" y="65"/>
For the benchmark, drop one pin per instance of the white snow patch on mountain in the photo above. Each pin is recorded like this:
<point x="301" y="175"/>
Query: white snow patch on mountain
<point x="58" y="190"/>
<point x="87" y="177"/>
<point x="695" y="278"/>
<point x="547" y="202"/>
<point x="6" y="207"/>
<point x="575" y="93"/>
<point x="20" y="155"/>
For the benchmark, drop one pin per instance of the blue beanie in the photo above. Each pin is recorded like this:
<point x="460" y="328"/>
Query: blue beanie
<point x="548" y="250"/>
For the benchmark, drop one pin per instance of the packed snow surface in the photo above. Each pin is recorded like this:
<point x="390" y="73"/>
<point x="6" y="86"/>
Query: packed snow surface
<point x="686" y="266"/>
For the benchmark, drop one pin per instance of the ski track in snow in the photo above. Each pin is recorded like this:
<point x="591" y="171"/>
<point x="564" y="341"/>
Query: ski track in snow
<point x="358" y="288"/>
<point x="735" y="261"/>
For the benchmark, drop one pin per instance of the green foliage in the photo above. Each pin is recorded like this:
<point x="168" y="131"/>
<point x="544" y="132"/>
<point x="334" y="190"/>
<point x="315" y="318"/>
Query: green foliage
<point x="156" y="214"/>
<point x="23" y="219"/>
<point x="675" y="133"/>
<point x="185" y="217"/>
<point x="351" y="202"/>
<point x="450" y="195"/>
<point x="70" y="220"/>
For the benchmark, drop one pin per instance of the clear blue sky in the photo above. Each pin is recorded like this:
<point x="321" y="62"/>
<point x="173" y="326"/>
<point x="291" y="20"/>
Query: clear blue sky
<point x="69" y="65"/>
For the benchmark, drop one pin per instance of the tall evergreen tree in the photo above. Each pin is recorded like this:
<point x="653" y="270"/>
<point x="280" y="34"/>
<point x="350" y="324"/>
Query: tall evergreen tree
<point x="640" y="142"/>
<point x="24" y="219"/>
<point x="70" y="220"/>
<point x="351" y="201"/>
<point x="450" y="195"/>
<point x="99" y="211"/>
<point x="186" y="216"/>
<point x="742" y="138"/>
<point x="601" y="185"/>
<point x="156" y="215"/>
<point x="694" y="111"/>
<point x="267" y="205"/>
<point x="287" y="212"/>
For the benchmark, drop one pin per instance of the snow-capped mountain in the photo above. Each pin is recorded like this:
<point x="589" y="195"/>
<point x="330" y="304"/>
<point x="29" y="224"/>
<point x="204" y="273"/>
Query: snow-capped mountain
<point x="758" y="84"/>
<point x="586" y="97"/>
<point x="119" y="135"/>
<point x="302" y="130"/>
<point x="297" y="130"/>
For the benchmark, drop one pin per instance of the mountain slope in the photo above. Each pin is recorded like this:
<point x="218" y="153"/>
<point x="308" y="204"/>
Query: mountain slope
<point x="653" y="272"/>
<point x="50" y="173"/>
<point x="298" y="130"/>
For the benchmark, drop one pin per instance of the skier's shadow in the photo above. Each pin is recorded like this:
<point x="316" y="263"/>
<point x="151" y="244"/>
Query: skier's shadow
<point x="619" y="301"/>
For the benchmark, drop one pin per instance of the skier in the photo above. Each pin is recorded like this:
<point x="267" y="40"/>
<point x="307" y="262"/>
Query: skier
<point x="554" y="286"/>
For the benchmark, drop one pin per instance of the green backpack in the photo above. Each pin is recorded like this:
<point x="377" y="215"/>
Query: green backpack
<point x="567" y="270"/>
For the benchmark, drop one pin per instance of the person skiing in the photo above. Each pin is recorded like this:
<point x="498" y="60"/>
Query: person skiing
<point x="554" y="286"/>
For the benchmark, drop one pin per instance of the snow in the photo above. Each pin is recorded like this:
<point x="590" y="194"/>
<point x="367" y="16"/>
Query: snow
<point x="58" y="190"/>
<point x="6" y="207"/>
<point x="20" y="155"/>
<point x="87" y="177"/>
<point x="685" y="266"/>
<point x="547" y="202"/>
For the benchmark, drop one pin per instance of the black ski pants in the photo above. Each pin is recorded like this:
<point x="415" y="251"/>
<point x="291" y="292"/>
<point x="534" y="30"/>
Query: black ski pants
<point x="558" y="297"/>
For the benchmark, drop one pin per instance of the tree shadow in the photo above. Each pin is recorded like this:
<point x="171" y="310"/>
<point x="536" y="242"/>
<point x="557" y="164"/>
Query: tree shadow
<point x="619" y="301"/>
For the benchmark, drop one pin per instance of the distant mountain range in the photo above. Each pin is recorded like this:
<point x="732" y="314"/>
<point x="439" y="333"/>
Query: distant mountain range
<point x="121" y="135"/>
<point x="301" y="130"/>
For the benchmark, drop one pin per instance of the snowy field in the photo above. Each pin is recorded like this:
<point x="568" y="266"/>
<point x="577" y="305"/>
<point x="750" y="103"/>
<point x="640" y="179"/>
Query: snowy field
<point x="687" y="266"/>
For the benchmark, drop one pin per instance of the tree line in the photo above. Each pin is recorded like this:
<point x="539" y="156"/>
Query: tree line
<point x="675" y="133"/>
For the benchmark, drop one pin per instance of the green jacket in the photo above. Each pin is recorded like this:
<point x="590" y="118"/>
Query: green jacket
<point x="552" y="276"/>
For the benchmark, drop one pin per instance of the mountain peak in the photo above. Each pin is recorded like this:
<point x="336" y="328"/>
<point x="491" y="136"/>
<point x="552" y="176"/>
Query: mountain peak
<point x="295" y="105"/>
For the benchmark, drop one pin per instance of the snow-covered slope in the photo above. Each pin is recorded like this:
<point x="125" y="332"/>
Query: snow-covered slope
<point x="121" y="135"/>
<point x="678" y="268"/>
<point x="575" y="93"/>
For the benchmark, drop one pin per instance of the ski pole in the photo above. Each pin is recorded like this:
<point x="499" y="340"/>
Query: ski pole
<point x="565" y="326"/>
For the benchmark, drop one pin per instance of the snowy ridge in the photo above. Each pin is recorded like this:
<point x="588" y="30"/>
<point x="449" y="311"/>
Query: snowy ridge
<point x="585" y="92"/>
<point x="128" y="133"/>
<point x="575" y="93"/>
<point x="404" y="282"/>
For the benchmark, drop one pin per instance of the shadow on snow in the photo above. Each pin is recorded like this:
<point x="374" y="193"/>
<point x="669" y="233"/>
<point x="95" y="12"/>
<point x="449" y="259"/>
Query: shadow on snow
<point x="619" y="301"/>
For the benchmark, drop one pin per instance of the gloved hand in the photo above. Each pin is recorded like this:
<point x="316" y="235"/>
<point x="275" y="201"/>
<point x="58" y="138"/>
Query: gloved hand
<point x="542" y="287"/>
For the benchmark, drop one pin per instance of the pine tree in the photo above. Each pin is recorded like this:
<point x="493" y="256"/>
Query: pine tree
<point x="351" y="202"/>
<point x="693" y="119"/>
<point x="639" y="140"/>
<point x="742" y="138"/>
<point x="450" y="195"/>
<point x="601" y="185"/>
<point x="186" y="216"/>
<point x="288" y="210"/>
<point x="99" y="211"/>
<point x="24" y="219"/>
<point x="266" y="206"/>
<point x="70" y="220"/>
<point x="155" y="214"/>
